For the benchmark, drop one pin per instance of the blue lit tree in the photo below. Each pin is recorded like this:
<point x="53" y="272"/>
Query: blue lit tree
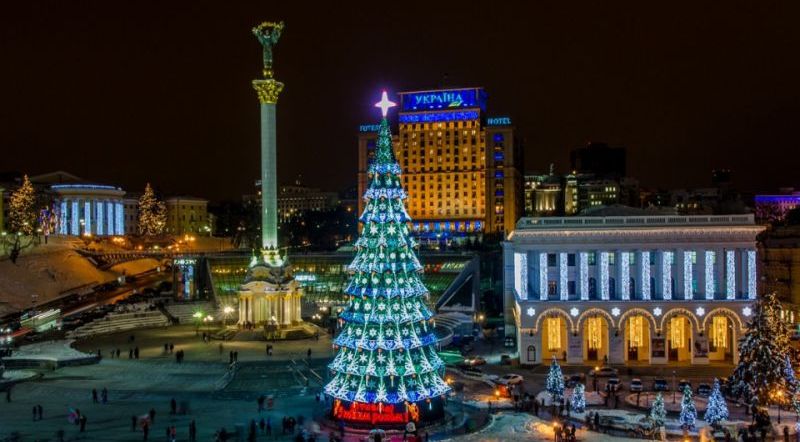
<point x="657" y="411"/>
<point x="717" y="409"/>
<point x="385" y="352"/>
<point x="555" y="381"/>
<point x="578" y="399"/>
<point x="688" y="410"/>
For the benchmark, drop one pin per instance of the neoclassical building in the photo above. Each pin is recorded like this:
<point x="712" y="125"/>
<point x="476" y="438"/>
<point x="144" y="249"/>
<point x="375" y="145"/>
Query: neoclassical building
<point x="633" y="289"/>
<point x="94" y="209"/>
<point x="270" y="295"/>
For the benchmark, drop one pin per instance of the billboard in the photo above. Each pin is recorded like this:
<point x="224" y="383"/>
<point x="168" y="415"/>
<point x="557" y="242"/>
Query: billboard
<point x="442" y="99"/>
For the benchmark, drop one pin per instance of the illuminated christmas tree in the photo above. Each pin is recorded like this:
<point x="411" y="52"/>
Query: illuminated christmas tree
<point x="657" y="411"/>
<point x="578" y="399"/>
<point x="152" y="213"/>
<point x="555" y="381"/>
<point x="22" y="208"/>
<point x="717" y="409"/>
<point x="688" y="410"/>
<point x="386" y="370"/>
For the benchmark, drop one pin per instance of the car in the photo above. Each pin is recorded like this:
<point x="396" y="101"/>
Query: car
<point x="636" y="385"/>
<point x="614" y="384"/>
<point x="474" y="360"/>
<point x="605" y="372"/>
<point x="570" y="381"/>
<point x="703" y="389"/>
<point x="510" y="379"/>
<point x="684" y="383"/>
<point x="660" y="384"/>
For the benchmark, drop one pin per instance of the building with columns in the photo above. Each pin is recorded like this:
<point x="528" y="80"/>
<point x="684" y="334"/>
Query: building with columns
<point x="632" y="289"/>
<point x="90" y="209"/>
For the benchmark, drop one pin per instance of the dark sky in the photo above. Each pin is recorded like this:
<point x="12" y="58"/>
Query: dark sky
<point x="131" y="91"/>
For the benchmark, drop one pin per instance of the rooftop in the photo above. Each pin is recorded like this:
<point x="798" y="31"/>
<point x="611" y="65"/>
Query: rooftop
<point x="594" y="222"/>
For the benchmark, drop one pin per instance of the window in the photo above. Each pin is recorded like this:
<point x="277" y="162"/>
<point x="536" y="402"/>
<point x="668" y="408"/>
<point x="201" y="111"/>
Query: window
<point x="551" y="259"/>
<point x="571" y="287"/>
<point x="571" y="260"/>
<point x="592" y="258"/>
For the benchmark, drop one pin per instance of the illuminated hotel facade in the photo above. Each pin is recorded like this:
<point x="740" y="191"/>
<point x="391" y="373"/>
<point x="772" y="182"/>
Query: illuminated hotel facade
<point x="627" y="290"/>
<point x="461" y="169"/>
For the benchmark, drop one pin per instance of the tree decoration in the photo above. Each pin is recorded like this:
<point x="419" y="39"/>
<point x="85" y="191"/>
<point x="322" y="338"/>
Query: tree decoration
<point x="386" y="353"/>
<point x="152" y="213"/>
<point x="688" y="410"/>
<point x="555" y="381"/>
<point x="578" y="399"/>
<point x="717" y="409"/>
<point x="657" y="411"/>
<point x="22" y="209"/>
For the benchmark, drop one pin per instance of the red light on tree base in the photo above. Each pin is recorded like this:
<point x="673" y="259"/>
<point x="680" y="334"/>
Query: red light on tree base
<point x="395" y="414"/>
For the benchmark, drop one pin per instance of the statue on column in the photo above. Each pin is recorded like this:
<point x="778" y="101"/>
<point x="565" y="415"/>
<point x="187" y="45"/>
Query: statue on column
<point x="268" y="34"/>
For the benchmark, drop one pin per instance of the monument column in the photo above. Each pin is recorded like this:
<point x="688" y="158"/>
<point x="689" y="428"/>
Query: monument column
<point x="268" y="90"/>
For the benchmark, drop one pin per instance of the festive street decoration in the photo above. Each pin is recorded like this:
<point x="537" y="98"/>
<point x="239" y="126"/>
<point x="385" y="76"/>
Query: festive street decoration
<point x="555" y="381"/>
<point x="763" y="362"/>
<point x="578" y="399"/>
<point x="657" y="411"/>
<point x="152" y="213"/>
<point x="22" y="209"/>
<point x="717" y="409"/>
<point x="385" y="351"/>
<point x="49" y="219"/>
<point x="688" y="410"/>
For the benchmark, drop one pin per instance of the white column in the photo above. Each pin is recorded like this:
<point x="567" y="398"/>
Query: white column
<point x="624" y="264"/>
<point x="603" y="276"/>
<point x="583" y="275"/>
<point x="644" y="275"/>
<point x="730" y="274"/>
<point x="667" y="260"/>
<point x="563" y="277"/>
<point x="687" y="268"/>
<point x="752" y="283"/>
<point x="709" y="273"/>
<point x="542" y="268"/>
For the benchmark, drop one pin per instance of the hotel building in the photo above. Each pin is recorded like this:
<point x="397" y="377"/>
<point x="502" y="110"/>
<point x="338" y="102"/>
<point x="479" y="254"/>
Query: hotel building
<point x="461" y="169"/>
<point x="634" y="289"/>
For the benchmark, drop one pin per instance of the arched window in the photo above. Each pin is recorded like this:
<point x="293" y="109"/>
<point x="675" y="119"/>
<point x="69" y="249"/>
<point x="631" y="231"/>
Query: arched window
<point x="531" y="353"/>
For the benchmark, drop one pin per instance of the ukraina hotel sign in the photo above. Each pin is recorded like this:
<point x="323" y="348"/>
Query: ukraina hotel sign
<point x="442" y="99"/>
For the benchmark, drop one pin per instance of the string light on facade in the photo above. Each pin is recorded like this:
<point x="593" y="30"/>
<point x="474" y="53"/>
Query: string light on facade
<point x="594" y="331"/>
<point x="562" y="276"/>
<point x="531" y="311"/>
<point x="730" y="274"/>
<point x="700" y="311"/>
<point x="751" y="274"/>
<point x="747" y="311"/>
<point x="710" y="261"/>
<point x="636" y="330"/>
<point x="574" y="311"/>
<point x="688" y="289"/>
<point x="615" y="311"/>
<point x="543" y="276"/>
<point x="625" y="275"/>
<point x="604" y="275"/>
<point x="720" y="327"/>
<point x="667" y="259"/>
<point x="657" y="311"/>
<point x="645" y="260"/>
<point x="583" y="258"/>
<point x="553" y="333"/>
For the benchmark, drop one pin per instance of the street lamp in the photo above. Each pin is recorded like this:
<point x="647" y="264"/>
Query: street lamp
<point x="197" y="316"/>
<point x="777" y="397"/>
<point x="227" y="310"/>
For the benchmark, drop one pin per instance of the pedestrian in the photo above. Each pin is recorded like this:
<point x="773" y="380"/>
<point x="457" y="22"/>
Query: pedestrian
<point x="236" y="356"/>
<point x="145" y="430"/>
<point x="192" y="431"/>
<point x="173" y="406"/>
<point x="262" y="425"/>
<point x="8" y="394"/>
<point x="308" y="353"/>
<point x="166" y="347"/>
<point x="260" y="402"/>
<point x="168" y="432"/>
<point x="94" y="395"/>
<point x="136" y="352"/>
<point x="230" y="357"/>
<point x="134" y="421"/>
<point x="152" y="414"/>
<point x="118" y="353"/>
<point x="130" y="353"/>
<point x="35" y="412"/>
<point x="269" y="426"/>
<point x="597" y="421"/>
<point x="83" y="423"/>
<point x="41" y="412"/>
<point x="171" y="347"/>
<point x="536" y="407"/>
<point x="173" y="433"/>
<point x="104" y="395"/>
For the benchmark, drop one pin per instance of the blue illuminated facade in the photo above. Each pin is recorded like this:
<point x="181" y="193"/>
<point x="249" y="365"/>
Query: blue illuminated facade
<point x="443" y="99"/>
<point x="435" y="117"/>
<point x="90" y="209"/>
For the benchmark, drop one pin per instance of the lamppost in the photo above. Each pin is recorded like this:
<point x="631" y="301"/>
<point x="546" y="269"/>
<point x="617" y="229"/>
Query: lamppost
<point x="227" y="310"/>
<point x="777" y="397"/>
<point x="197" y="316"/>
<point x="674" y="388"/>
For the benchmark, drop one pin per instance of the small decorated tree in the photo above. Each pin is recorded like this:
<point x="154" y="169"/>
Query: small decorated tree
<point x="152" y="213"/>
<point x="555" y="381"/>
<point x="688" y="410"/>
<point x="578" y="399"/>
<point x="657" y="411"/>
<point x="22" y="209"/>
<point x="717" y="409"/>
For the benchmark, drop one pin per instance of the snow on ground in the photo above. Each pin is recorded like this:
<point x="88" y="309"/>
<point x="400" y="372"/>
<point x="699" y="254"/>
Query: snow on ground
<point x="513" y="426"/>
<point x="591" y="397"/>
<point x="51" y="350"/>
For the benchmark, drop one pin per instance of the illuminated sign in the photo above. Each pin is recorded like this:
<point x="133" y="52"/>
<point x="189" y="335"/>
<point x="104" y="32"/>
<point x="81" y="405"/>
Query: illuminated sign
<point x="432" y="117"/>
<point x="305" y="277"/>
<point x="444" y="99"/>
<point x="369" y="128"/>
<point x="498" y="121"/>
<point x="375" y="413"/>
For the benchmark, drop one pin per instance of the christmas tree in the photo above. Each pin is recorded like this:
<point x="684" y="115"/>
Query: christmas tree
<point x="152" y="213"/>
<point x="657" y="411"/>
<point x="22" y="209"/>
<point x="762" y="354"/>
<point x="578" y="399"/>
<point x="688" y="410"/>
<point x="717" y="409"/>
<point x="555" y="381"/>
<point x="386" y="370"/>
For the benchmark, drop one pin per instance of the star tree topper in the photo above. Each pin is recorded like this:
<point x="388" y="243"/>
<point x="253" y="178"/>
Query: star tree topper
<point x="385" y="104"/>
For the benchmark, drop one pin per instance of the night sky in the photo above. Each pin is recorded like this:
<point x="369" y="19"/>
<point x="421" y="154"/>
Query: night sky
<point x="127" y="92"/>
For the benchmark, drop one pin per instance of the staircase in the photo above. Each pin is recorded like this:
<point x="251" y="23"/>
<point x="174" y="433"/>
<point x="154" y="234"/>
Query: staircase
<point x="119" y="322"/>
<point x="184" y="312"/>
